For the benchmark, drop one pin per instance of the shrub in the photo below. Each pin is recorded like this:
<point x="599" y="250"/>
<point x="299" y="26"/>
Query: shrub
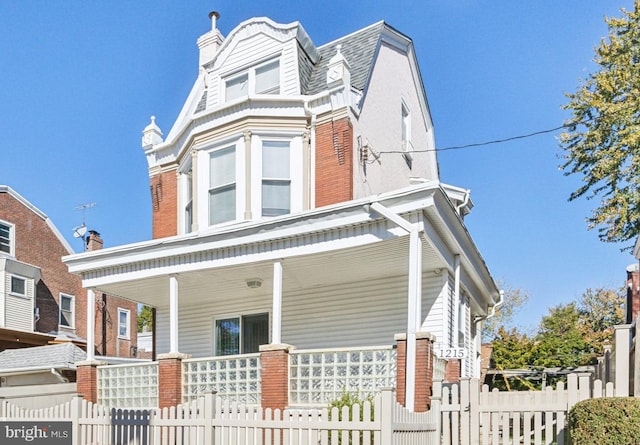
<point x="348" y="399"/>
<point x="606" y="421"/>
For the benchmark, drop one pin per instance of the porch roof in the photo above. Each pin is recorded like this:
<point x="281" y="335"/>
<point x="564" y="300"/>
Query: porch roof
<point x="334" y="244"/>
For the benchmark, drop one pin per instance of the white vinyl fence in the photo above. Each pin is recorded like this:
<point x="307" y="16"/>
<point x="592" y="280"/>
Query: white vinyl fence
<point x="213" y="420"/>
<point x="474" y="415"/>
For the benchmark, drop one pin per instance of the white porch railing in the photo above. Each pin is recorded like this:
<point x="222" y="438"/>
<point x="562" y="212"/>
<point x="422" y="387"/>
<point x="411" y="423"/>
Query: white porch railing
<point x="317" y="377"/>
<point x="128" y="386"/>
<point x="236" y="378"/>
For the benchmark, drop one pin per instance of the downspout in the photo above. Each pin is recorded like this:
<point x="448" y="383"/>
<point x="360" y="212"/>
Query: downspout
<point x="414" y="306"/>
<point x="467" y="195"/>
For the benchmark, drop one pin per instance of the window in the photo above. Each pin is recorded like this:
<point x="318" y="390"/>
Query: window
<point x="6" y="238"/>
<point x="188" y="208"/>
<point x="276" y="178"/>
<point x="66" y="311"/>
<point x="268" y="78"/>
<point x="124" y="315"/>
<point x="222" y="185"/>
<point x="261" y="79"/>
<point x="241" y="335"/>
<point x="407" y="146"/>
<point x="18" y="286"/>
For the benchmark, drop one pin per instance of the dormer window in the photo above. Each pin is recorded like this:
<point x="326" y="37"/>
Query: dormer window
<point x="260" y="79"/>
<point x="6" y="238"/>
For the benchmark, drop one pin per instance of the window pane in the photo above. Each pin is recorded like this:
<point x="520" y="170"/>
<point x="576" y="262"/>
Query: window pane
<point x="66" y="311"/>
<point x="228" y="336"/>
<point x="275" y="160"/>
<point x="405" y="124"/>
<point x="222" y="167"/>
<point x="236" y="87"/>
<point x="18" y="285"/>
<point x="255" y="332"/>
<point x="123" y="324"/>
<point x="5" y="242"/>
<point x="276" y="197"/>
<point x="268" y="78"/>
<point x="222" y="204"/>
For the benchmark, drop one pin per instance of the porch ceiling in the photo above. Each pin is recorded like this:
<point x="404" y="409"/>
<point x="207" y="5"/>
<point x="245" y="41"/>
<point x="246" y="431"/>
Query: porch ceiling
<point x="387" y="258"/>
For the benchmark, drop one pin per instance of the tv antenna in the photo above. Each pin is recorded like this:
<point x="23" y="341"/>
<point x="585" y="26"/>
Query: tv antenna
<point x="81" y="230"/>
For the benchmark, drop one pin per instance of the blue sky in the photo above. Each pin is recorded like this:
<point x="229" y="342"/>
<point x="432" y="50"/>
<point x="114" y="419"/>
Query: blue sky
<point x="80" y="80"/>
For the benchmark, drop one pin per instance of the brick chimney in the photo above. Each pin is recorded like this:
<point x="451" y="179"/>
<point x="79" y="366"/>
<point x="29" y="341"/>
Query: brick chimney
<point x="633" y="292"/>
<point x="94" y="242"/>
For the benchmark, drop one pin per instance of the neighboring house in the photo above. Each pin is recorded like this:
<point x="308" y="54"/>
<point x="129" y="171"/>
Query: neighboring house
<point x="297" y="200"/>
<point x="40" y="365"/>
<point x="40" y="301"/>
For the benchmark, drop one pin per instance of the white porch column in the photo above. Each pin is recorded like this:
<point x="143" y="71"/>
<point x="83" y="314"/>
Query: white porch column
<point x="173" y="314"/>
<point x="91" y="324"/>
<point x="276" y="325"/>
<point x="414" y="315"/>
<point x="456" y="301"/>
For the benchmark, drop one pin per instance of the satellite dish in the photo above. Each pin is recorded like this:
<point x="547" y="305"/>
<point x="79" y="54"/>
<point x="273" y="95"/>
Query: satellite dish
<point x="80" y="231"/>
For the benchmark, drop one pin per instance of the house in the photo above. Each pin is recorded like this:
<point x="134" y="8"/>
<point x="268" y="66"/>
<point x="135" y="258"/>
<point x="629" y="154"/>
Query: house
<point x="297" y="203"/>
<point x="41" y="302"/>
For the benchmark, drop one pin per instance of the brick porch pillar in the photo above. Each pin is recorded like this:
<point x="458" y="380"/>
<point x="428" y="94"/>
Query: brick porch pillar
<point x="452" y="371"/>
<point x="424" y="369"/>
<point x="274" y="363"/>
<point x="87" y="379"/>
<point x="170" y="379"/>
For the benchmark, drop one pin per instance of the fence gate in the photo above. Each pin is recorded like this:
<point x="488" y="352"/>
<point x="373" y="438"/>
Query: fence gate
<point x="471" y="414"/>
<point x="130" y="426"/>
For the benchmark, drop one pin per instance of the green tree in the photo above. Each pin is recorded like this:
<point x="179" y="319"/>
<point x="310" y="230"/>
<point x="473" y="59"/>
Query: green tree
<point x="145" y="318"/>
<point x="600" y="310"/>
<point x="602" y="141"/>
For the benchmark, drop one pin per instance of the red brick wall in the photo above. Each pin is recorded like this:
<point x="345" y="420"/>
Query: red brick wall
<point x="334" y="162"/>
<point x="169" y="382"/>
<point x="37" y="245"/>
<point x="275" y="378"/>
<point x="452" y="371"/>
<point x="87" y="379"/>
<point x="108" y="314"/>
<point x="633" y="295"/>
<point x="164" y="202"/>
<point x="424" y="373"/>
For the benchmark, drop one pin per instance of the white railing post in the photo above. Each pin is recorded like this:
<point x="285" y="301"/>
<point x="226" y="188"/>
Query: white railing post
<point x="436" y="408"/>
<point x="209" y="413"/>
<point x="622" y="349"/>
<point x="76" y="411"/>
<point x="386" y="417"/>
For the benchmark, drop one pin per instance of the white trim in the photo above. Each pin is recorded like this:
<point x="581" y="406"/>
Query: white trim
<point x="127" y="335"/>
<point x="73" y="311"/>
<point x="24" y="294"/>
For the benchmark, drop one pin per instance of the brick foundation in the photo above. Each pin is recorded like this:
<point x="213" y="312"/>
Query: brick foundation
<point x="87" y="379"/>
<point x="170" y="379"/>
<point x="424" y="370"/>
<point x="452" y="371"/>
<point x="274" y="361"/>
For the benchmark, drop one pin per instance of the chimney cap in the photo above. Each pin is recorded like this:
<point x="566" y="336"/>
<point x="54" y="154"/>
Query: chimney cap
<point x="214" y="13"/>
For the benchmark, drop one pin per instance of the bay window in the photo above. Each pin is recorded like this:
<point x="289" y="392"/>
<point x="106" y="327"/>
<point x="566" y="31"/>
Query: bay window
<point x="276" y="178"/>
<point x="222" y="185"/>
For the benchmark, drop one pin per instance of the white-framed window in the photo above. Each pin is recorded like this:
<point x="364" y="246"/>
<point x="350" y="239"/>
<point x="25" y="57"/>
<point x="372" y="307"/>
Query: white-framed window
<point x="18" y="286"/>
<point x="124" y="323"/>
<point x="7" y="238"/>
<point x="242" y="334"/>
<point x="407" y="146"/>
<point x="67" y="308"/>
<point x="186" y="200"/>
<point x="276" y="178"/>
<point x="222" y="185"/>
<point x="260" y="79"/>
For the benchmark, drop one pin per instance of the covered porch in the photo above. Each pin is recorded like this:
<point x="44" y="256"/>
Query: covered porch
<point x="343" y="279"/>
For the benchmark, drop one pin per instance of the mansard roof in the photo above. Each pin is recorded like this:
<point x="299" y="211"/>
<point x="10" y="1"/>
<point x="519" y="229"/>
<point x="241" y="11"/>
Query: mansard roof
<point x="359" y="48"/>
